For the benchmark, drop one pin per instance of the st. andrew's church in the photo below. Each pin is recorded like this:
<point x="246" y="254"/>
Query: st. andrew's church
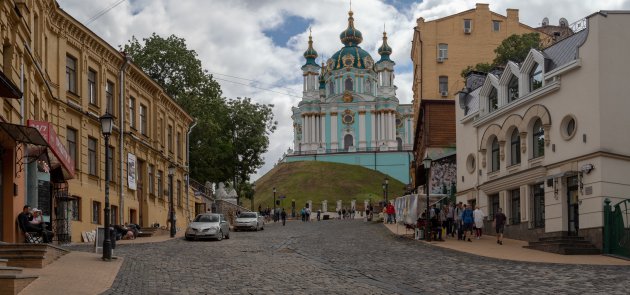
<point x="349" y="112"/>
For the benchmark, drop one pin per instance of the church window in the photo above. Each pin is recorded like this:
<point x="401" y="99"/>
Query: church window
<point x="368" y="86"/>
<point x="399" y="143"/>
<point x="331" y="87"/>
<point x="348" y="84"/>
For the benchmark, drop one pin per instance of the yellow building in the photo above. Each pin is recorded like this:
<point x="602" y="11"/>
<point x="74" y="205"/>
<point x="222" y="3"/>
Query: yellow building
<point x="71" y="77"/>
<point x="441" y="49"/>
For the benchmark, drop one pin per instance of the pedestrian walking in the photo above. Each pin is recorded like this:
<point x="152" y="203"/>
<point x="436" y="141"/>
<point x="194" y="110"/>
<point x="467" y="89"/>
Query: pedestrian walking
<point x="450" y="220"/>
<point x="468" y="220"/>
<point x="458" y="220"/>
<point x="499" y="225"/>
<point x="283" y="216"/>
<point x="319" y="213"/>
<point x="478" y="216"/>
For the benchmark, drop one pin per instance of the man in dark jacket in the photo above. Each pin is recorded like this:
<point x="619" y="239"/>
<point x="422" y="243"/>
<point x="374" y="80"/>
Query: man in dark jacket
<point x="26" y="226"/>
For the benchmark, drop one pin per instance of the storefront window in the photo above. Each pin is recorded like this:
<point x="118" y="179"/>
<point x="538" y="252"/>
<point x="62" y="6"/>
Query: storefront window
<point x="515" y="208"/>
<point x="539" y="205"/>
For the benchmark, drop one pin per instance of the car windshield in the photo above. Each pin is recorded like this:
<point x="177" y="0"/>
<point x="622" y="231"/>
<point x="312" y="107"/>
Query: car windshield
<point x="247" y="215"/>
<point x="207" y="218"/>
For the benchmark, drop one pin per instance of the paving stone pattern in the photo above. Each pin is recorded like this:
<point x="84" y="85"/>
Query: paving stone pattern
<point x="342" y="257"/>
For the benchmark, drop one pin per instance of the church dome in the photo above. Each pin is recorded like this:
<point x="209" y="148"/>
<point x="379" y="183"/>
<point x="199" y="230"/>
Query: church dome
<point x="351" y="36"/>
<point x="351" y="55"/>
<point x="385" y="51"/>
<point x="310" y="54"/>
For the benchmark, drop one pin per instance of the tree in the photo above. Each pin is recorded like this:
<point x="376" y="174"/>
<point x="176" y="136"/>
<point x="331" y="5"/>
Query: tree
<point x="515" y="48"/>
<point x="214" y="152"/>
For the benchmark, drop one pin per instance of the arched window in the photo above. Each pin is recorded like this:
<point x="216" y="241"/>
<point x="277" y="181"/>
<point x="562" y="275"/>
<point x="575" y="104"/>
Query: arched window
<point x="399" y="141"/>
<point x="493" y="100"/>
<point x="495" y="155"/>
<point x="538" y="140"/>
<point x="513" y="89"/>
<point x="331" y="87"/>
<point x="535" y="77"/>
<point x="515" y="147"/>
<point x="349" y="86"/>
<point x="368" y="86"/>
<point x="348" y="141"/>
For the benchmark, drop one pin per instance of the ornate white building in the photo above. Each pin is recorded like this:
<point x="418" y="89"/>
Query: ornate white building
<point x="349" y="112"/>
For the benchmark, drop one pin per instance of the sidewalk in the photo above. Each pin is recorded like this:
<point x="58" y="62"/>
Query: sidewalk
<point x="83" y="272"/>
<point x="510" y="250"/>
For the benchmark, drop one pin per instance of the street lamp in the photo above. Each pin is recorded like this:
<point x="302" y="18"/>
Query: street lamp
<point x="274" y="204"/>
<point x="427" y="171"/>
<point x="386" y="189"/>
<point x="171" y="208"/>
<point x="107" y="123"/>
<point x="253" y="193"/>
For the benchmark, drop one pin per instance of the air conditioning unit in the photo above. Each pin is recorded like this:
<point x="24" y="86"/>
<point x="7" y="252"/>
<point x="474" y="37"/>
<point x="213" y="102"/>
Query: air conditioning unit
<point x="440" y="59"/>
<point x="467" y="30"/>
<point x="444" y="93"/>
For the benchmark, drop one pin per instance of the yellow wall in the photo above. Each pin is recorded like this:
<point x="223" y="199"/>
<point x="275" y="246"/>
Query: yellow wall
<point x="52" y="34"/>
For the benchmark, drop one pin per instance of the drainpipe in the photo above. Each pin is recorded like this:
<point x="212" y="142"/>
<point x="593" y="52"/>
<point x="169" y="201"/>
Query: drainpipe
<point x="121" y="139"/>
<point x="188" y="166"/>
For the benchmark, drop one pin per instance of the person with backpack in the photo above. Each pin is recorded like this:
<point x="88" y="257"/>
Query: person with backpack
<point x="468" y="220"/>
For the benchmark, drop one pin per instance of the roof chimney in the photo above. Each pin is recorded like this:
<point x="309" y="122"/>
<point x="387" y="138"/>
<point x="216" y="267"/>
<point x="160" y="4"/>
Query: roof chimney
<point x="512" y="14"/>
<point x="482" y="6"/>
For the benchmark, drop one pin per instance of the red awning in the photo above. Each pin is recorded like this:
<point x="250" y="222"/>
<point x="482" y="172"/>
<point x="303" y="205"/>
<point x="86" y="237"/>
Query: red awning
<point x="56" y="147"/>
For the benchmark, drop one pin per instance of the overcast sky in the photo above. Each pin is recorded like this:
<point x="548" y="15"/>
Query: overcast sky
<point x="258" y="44"/>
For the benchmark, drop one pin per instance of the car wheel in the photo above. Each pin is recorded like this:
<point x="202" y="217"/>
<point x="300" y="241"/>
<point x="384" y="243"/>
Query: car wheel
<point x="220" y="237"/>
<point x="256" y="229"/>
<point x="227" y="237"/>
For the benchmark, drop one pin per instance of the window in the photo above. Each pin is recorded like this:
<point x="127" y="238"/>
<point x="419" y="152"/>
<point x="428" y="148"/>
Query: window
<point x="467" y="26"/>
<point x="349" y="84"/>
<point x="515" y="206"/>
<point x="513" y="89"/>
<point x="538" y="139"/>
<point x="110" y="164"/>
<point x="143" y="119"/>
<point x="535" y="77"/>
<point x="539" y="205"/>
<point x="494" y="206"/>
<point x="71" y="138"/>
<point x="132" y="112"/>
<point x="496" y="25"/>
<point x="160" y="184"/>
<point x="109" y="96"/>
<point x="179" y="193"/>
<point x="443" y="51"/>
<point x="92" y="144"/>
<point x="399" y="144"/>
<point x="96" y="212"/>
<point x="92" y="91"/>
<point x="331" y="88"/>
<point x="495" y="155"/>
<point x="75" y="206"/>
<point x="169" y="138"/>
<point x="493" y="100"/>
<point x="151" y="179"/>
<point x="515" y="147"/>
<point x="443" y="84"/>
<point x="178" y="144"/>
<point x="113" y="215"/>
<point x="71" y="74"/>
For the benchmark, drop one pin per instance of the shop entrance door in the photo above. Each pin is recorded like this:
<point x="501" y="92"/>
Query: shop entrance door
<point x="573" y="206"/>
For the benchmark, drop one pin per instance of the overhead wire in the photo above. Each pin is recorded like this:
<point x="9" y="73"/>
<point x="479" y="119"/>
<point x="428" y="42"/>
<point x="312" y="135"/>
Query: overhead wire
<point x="103" y="12"/>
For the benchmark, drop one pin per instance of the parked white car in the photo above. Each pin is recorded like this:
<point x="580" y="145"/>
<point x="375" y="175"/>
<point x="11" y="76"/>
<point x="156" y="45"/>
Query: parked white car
<point x="208" y="225"/>
<point x="249" y="221"/>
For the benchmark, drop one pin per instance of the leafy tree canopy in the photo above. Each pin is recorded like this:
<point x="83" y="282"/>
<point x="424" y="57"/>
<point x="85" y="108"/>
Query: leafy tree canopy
<point x="514" y="48"/>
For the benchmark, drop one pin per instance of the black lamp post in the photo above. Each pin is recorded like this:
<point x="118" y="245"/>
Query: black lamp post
<point x="107" y="123"/>
<point x="386" y="189"/>
<point x="427" y="171"/>
<point x="274" y="204"/>
<point x="171" y="208"/>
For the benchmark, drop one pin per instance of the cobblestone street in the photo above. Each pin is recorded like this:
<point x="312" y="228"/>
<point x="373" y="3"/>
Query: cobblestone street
<point x="342" y="257"/>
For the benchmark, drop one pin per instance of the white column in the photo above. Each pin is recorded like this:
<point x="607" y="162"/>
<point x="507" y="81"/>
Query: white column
<point x="379" y="121"/>
<point x="386" y="127"/>
<point x="313" y="131"/>
<point x="333" y="131"/>
<point x="373" y="131"/>
<point x="304" y="131"/>
<point x="392" y="124"/>
<point x="323" y="130"/>
<point x="361" y="129"/>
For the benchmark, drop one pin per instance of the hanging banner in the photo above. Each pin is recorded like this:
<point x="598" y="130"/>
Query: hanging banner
<point x="131" y="171"/>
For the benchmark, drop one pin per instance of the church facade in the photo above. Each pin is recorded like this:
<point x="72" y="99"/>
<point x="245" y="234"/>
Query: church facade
<point x="349" y="112"/>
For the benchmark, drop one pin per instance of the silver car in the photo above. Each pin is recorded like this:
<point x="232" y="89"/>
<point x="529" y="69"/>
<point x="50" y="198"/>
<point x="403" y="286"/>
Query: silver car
<point x="208" y="226"/>
<point x="250" y="221"/>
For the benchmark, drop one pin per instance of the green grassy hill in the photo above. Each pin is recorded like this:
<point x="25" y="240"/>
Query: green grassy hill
<point x="318" y="181"/>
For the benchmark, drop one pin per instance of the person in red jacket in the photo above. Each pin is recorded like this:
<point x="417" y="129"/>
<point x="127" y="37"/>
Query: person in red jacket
<point x="391" y="212"/>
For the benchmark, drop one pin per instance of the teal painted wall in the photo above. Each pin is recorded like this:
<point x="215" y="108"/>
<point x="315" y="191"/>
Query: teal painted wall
<point x="394" y="164"/>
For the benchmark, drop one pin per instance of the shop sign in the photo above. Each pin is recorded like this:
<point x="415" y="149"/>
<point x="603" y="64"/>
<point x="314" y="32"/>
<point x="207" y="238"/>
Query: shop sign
<point x="131" y="171"/>
<point x="54" y="142"/>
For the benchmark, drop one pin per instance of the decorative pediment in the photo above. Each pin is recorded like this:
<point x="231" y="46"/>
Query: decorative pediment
<point x="511" y="69"/>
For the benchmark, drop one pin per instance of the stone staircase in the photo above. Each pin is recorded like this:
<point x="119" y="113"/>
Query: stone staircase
<point x="30" y="255"/>
<point x="566" y="245"/>
<point x="12" y="281"/>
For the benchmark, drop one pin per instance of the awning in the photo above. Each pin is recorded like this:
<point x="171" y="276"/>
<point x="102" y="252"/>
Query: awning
<point x="24" y="134"/>
<point x="60" y="156"/>
<point x="7" y="88"/>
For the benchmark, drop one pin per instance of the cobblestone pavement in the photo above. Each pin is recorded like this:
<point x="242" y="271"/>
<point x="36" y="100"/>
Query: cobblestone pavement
<point x="342" y="257"/>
